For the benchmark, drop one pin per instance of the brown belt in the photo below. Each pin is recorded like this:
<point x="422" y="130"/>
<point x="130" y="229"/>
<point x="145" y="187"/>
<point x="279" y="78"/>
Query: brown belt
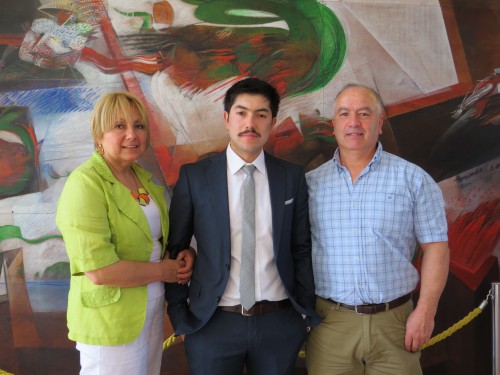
<point x="377" y="307"/>
<point x="259" y="308"/>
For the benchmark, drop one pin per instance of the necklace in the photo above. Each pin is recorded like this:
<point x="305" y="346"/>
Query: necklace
<point x="143" y="196"/>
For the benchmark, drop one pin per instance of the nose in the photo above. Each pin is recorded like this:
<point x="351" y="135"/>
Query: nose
<point x="354" y="120"/>
<point x="249" y="122"/>
<point x="131" y="132"/>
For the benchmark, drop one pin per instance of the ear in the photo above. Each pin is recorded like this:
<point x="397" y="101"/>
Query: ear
<point x="380" y="124"/>
<point x="274" y="122"/>
<point x="226" y="119"/>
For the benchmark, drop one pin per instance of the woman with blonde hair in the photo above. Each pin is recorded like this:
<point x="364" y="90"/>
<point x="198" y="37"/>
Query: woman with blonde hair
<point x="114" y="222"/>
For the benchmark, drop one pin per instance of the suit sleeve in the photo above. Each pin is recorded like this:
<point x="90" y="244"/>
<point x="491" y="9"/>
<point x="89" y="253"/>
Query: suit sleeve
<point x="180" y="234"/>
<point x="301" y="247"/>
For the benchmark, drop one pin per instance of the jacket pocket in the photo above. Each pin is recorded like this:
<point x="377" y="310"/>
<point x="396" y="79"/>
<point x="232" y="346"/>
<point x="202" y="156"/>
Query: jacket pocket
<point x="100" y="295"/>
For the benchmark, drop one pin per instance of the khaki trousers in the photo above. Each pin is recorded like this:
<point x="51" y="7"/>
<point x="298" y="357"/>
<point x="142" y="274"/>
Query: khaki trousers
<point x="349" y="343"/>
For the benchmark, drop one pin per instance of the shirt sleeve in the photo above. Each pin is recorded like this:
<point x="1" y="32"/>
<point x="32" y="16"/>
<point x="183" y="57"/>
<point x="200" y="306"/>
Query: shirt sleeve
<point x="430" y="215"/>
<point x="82" y="218"/>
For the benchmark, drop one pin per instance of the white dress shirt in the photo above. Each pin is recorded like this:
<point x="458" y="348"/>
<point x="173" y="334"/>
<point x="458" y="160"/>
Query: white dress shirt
<point x="268" y="285"/>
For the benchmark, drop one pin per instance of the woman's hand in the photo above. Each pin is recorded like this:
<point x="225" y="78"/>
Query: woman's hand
<point x="187" y="257"/>
<point x="170" y="268"/>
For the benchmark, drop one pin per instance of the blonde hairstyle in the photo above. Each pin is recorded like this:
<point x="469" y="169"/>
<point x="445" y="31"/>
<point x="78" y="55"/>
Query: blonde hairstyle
<point x="113" y="106"/>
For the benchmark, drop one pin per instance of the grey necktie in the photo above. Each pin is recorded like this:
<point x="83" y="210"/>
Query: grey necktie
<point x="247" y="273"/>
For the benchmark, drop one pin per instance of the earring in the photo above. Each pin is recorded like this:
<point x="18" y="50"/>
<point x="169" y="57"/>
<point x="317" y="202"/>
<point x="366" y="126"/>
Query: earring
<point x="100" y="149"/>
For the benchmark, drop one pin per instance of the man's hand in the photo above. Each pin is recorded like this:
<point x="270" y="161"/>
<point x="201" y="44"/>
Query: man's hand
<point x="434" y="272"/>
<point x="419" y="327"/>
<point x="188" y="257"/>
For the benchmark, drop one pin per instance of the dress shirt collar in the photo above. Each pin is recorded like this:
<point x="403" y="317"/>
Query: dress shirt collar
<point x="234" y="162"/>
<point x="372" y="164"/>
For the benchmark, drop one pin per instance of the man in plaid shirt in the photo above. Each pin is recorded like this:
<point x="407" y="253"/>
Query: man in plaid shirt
<point x="369" y="210"/>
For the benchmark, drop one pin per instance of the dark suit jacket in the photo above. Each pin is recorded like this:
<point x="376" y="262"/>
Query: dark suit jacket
<point x="200" y="206"/>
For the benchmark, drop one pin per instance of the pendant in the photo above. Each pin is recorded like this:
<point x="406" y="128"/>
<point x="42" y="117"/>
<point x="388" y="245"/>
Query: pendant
<point x="142" y="198"/>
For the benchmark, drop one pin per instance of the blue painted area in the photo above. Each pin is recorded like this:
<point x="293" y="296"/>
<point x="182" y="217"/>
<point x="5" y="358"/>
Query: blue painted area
<point x="53" y="100"/>
<point x="47" y="296"/>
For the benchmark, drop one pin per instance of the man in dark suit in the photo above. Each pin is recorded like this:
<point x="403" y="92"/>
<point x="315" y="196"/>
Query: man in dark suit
<point x="222" y="336"/>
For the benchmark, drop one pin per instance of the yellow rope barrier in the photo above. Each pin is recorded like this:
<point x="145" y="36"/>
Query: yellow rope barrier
<point x="446" y="333"/>
<point x="455" y="327"/>
<point x="169" y="342"/>
<point x="450" y="331"/>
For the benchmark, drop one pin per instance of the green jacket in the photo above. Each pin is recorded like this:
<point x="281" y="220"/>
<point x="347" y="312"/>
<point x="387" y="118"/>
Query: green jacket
<point x="101" y="223"/>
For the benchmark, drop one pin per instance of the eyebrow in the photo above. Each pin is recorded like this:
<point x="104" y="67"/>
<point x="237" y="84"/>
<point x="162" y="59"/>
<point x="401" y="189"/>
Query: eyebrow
<point x="359" y="109"/>
<point x="123" y="119"/>
<point x="239" y="106"/>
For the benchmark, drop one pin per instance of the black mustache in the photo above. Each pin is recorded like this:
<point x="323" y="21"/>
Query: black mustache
<point x="250" y="131"/>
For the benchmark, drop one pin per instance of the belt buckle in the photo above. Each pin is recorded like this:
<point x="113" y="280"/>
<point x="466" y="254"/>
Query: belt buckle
<point x="245" y="312"/>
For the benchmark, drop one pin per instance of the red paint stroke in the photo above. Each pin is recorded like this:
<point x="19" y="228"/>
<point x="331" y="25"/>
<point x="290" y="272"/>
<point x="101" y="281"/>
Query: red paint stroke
<point x="229" y="83"/>
<point x="14" y="160"/>
<point x="284" y="138"/>
<point x="144" y="64"/>
<point x="163" y="13"/>
<point x="12" y="39"/>
<point x="472" y="239"/>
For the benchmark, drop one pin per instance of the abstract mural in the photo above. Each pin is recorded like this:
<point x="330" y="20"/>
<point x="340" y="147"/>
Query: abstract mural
<point x="57" y="57"/>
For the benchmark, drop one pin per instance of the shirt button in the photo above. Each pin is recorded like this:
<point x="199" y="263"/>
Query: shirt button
<point x="228" y="266"/>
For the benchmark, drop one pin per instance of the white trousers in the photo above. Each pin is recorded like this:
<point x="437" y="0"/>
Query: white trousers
<point x="140" y="357"/>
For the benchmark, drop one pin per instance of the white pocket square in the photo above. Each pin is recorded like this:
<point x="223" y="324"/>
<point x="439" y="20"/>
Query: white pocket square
<point x="288" y="201"/>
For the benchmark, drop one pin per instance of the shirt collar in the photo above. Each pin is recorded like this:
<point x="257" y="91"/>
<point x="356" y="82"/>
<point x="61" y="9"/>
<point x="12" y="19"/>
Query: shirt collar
<point x="376" y="158"/>
<point x="373" y="163"/>
<point x="234" y="162"/>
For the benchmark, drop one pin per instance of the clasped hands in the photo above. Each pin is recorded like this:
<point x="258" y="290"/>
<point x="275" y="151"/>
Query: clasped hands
<point x="180" y="270"/>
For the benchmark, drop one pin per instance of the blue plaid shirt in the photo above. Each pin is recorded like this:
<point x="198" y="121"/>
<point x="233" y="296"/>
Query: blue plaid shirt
<point x="364" y="235"/>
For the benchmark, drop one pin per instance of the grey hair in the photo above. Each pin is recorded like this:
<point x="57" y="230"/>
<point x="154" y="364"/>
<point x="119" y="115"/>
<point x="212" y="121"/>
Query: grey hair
<point x="380" y="104"/>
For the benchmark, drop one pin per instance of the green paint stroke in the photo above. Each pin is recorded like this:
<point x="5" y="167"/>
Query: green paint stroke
<point x="319" y="127"/>
<point x="311" y="26"/>
<point x="57" y="271"/>
<point x="147" y="18"/>
<point x="12" y="120"/>
<point x="332" y="38"/>
<point x="12" y="231"/>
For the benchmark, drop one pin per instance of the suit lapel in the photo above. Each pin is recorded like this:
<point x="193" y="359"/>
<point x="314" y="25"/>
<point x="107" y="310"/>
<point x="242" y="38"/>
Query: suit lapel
<point x="216" y="177"/>
<point x="276" y="177"/>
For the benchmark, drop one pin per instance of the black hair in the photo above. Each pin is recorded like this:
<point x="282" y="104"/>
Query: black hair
<point x="253" y="86"/>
